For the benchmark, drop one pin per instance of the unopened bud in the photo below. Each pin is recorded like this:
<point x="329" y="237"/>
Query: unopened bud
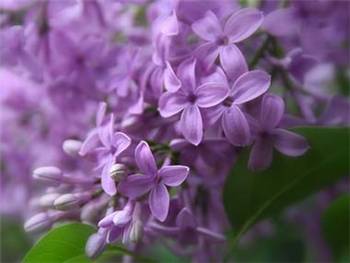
<point x="118" y="171"/>
<point x="136" y="231"/>
<point x="48" y="174"/>
<point x="38" y="223"/>
<point x="95" y="245"/>
<point x="72" y="147"/>
<point x="70" y="201"/>
<point x="47" y="200"/>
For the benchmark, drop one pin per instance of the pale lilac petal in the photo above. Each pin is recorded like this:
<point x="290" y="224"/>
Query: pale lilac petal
<point x="208" y="27"/>
<point x="173" y="175"/>
<point x="113" y="234"/>
<point x="210" y="94"/>
<point x="191" y="124"/>
<point x="187" y="75"/>
<point x="121" y="217"/>
<point x="106" y="132"/>
<point x="272" y="108"/>
<point x="136" y="185"/>
<point x="171" y="81"/>
<point x="242" y="24"/>
<point x="121" y="142"/>
<point x="290" y="143"/>
<point x="250" y="85"/>
<point x="106" y="221"/>
<point x="261" y="154"/>
<point x="159" y="202"/>
<point x="185" y="219"/>
<point x="207" y="54"/>
<point x="233" y="61"/>
<point x="108" y="184"/>
<point x="90" y="143"/>
<point x="236" y="127"/>
<point x="101" y="112"/>
<point x="281" y="22"/>
<point x="172" y="103"/>
<point x="145" y="159"/>
<point x="170" y="26"/>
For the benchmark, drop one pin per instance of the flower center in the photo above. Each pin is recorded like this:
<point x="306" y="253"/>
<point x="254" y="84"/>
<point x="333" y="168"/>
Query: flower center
<point x="192" y="98"/>
<point x="228" y="102"/>
<point x="222" y="41"/>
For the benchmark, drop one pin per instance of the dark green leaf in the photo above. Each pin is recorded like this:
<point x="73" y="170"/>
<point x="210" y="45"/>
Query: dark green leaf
<point x="106" y="257"/>
<point x="249" y="196"/>
<point x="15" y="241"/>
<point x="60" y="244"/>
<point x="335" y="226"/>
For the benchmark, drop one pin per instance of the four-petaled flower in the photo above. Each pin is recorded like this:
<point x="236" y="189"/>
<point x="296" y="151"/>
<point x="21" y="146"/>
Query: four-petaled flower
<point x="153" y="181"/>
<point x="269" y="136"/>
<point x="188" y="99"/>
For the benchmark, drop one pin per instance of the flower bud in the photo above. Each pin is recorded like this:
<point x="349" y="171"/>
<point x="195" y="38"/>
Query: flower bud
<point x="118" y="171"/>
<point x="48" y="174"/>
<point x="70" y="201"/>
<point x="38" y="223"/>
<point x="72" y="147"/>
<point x="95" y="245"/>
<point x="136" y="231"/>
<point x="47" y="200"/>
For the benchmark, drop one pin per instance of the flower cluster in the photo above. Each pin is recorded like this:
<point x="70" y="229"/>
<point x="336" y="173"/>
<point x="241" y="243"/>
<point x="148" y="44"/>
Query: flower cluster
<point x="138" y="109"/>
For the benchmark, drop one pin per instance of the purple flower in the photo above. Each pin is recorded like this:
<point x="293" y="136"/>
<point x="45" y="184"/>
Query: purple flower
<point x="153" y="181"/>
<point x="246" y="88"/>
<point x="222" y="39"/>
<point x="269" y="136"/>
<point x="189" y="99"/>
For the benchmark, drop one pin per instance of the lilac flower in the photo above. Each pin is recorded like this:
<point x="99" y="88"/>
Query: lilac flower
<point x="247" y="87"/>
<point x="269" y="136"/>
<point x="222" y="39"/>
<point x="153" y="181"/>
<point x="189" y="99"/>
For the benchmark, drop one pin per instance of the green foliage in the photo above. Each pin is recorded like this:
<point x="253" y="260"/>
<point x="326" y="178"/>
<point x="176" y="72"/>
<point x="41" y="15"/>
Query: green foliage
<point x="335" y="226"/>
<point x="14" y="241"/>
<point x="60" y="244"/>
<point x="250" y="196"/>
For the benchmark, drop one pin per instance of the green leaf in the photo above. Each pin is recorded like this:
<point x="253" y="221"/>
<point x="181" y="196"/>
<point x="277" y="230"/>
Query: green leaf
<point x="249" y="196"/>
<point x="15" y="242"/>
<point x="60" y="244"/>
<point x="106" y="257"/>
<point x="335" y="226"/>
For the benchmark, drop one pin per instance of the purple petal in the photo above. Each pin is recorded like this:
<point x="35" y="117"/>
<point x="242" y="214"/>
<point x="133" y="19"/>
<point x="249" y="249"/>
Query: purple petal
<point x="113" y="234"/>
<point x="191" y="124"/>
<point x="261" y="154"/>
<point x="272" y="108"/>
<point x="173" y="175"/>
<point x="186" y="73"/>
<point x="106" y="132"/>
<point x="101" y="112"/>
<point x="207" y="54"/>
<point x="159" y="202"/>
<point x="233" y="61"/>
<point x="208" y="27"/>
<point x="250" y="85"/>
<point x="89" y="143"/>
<point x="170" y="26"/>
<point x="242" y="24"/>
<point x="108" y="184"/>
<point x="136" y="185"/>
<point x="290" y="143"/>
<point x="171" y="82"/>
<point x="172" y="103"/>
<point x="185" y="219"/>
<point x="121" y="217"/>
<point x="121" y="142"/>
<point x="210" y="94"/>
<point x="145" y="159"/>
<point x="106" y="221"/>
<point x="281" y="22"/>
<point x="236" y="127"/>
